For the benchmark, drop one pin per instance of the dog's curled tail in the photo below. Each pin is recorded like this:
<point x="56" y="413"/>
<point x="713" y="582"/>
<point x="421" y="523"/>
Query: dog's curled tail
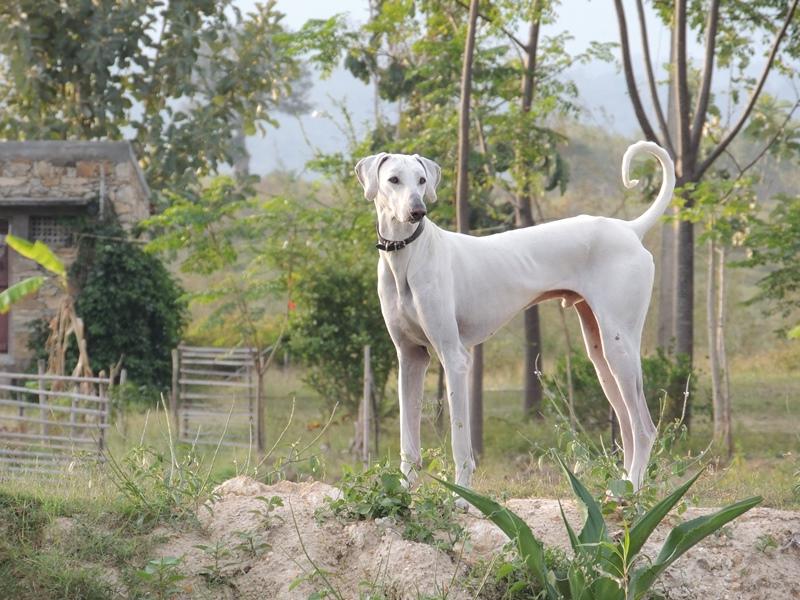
<point x="650" y="217"/>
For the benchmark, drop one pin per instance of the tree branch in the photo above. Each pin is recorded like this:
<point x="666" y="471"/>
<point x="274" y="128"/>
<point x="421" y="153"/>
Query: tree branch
<point x="630" y="80"/>
<point x="778" y="134"/>
<point x="651" y="80"/>
<point x="489" y="20"/>
<point x="701" y="106"/>
<point x="682" y="99"/>
<point x="728" y="138"/>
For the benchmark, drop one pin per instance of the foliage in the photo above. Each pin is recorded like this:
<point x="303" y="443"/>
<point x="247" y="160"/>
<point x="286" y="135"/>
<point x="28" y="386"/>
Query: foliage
<point x="426" y="514"/>
<point x="212" y="233"/>
<point x="160" y="577"/>
<point x="158" y="487"/>
<point x="412" y="51"/>
<point x="774" y="242"/>
<point x="41" y="255"/>
<point x="338" y="313"/>
<point x="665" y="378"/>
<point x="604" y="568"/>
<point x="131" y="305"/>
<point x="185" y="75"/>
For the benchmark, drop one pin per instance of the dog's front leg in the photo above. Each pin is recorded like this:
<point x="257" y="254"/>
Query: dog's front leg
<point x="456" y="360"/>
<point x="413" y="361"/>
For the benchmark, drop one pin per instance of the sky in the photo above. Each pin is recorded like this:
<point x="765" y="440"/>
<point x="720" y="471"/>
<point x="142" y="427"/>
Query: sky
<point x="603" y="94"/>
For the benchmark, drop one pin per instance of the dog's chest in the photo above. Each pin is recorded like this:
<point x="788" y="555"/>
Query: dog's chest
<point x="398" y="307"/>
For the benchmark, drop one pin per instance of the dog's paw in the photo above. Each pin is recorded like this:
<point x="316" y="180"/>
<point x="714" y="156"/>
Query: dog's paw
<point x="462" y="505"/>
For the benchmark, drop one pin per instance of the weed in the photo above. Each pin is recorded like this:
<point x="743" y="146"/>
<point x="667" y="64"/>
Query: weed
<point x="426" y="514"/>
<point x="603" y="568"/>
<point x="378" y="492"/>
<point x="250" y="544"/>
<point x="217" y="553"/>
<point x="160" y="577"/>
<point x="766" y="542"/>
<point x="270" y="504"/>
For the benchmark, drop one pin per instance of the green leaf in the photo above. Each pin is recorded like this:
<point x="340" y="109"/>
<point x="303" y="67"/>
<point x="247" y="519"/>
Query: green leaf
<point x="794" y="333"/>
<point x="39" y="253"/>
<point x="682" y="538"/>
<point x="650" y="520"/>
<point x="530" y="549"/>
<point x="594" y="529"/>
<point x="18" y="291"/>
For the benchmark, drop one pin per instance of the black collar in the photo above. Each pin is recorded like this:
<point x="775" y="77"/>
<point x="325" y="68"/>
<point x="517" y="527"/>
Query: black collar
<point x="392" y="245"/>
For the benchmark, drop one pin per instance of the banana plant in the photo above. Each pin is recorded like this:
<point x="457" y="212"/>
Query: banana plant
<point x="42" y="255"/>
<point x="603" y="568"/>
<point x="66" y="321"/>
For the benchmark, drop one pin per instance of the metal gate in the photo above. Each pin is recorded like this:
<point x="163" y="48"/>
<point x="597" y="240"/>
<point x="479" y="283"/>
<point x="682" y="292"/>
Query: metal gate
<point x="50" y="423"/>
<point x="214" y="396"/>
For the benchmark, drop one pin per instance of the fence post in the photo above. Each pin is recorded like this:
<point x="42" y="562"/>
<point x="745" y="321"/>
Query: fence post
<point x="260" y="426"/>
<point x="174" y="398"/>
<point x="251" y="407"/>
<point x="42" y="398"/>
<point x="105" y="407"/>
<point x="366" y="403"/>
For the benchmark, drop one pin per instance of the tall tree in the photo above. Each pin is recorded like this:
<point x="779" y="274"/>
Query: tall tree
<point x="462" y="216"/>
<point x="729" y="32"/>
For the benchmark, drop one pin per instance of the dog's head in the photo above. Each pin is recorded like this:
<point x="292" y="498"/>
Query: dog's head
<point x="398" y="182"/>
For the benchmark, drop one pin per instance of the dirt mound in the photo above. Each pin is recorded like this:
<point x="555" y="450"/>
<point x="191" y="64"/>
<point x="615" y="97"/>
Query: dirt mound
<point x="291" y="554"/>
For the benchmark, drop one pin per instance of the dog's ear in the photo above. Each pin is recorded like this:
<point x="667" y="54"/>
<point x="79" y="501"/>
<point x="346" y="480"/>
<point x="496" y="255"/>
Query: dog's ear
<point x="433" y="175"/>
<point x="367" y="173"/>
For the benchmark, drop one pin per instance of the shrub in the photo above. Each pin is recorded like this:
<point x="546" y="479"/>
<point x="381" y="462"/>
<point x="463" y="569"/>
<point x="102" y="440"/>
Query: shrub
<point x="131" y="305"/>
<point x="661" y="373"/>
<point x="338" y="313"/>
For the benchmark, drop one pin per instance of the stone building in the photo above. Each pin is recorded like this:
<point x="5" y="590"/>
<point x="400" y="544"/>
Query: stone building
<point x="43" y="186"/>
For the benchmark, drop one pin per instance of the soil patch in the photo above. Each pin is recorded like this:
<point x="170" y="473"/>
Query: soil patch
<point x="757" y="557"/>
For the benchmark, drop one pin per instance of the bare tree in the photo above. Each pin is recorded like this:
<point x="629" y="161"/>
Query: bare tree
<point x="462" y="216"/>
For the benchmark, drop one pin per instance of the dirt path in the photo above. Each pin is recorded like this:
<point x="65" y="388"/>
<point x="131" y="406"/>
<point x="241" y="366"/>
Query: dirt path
<point x="359" y="558"/>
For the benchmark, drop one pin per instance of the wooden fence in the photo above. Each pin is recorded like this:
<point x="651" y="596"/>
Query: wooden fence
<point x="216" y="397"/>
<point x="50" y="421"/>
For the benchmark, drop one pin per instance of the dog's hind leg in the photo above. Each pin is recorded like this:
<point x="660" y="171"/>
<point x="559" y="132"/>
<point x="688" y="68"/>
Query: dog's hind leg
<point x="594" y="348"/>
<point x="413" y="361"/>
<point x="621" y="349"/>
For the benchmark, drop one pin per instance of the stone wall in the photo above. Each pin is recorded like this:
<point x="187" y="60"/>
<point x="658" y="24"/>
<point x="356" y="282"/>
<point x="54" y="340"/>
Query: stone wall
<point x="39" y="180"/>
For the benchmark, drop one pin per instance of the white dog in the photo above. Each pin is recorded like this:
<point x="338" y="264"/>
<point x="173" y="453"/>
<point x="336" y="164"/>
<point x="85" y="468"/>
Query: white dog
<point x="446" y="292"/>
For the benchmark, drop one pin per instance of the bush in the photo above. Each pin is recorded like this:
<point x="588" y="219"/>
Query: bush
<point x="131" y="305"/>
<point x="338" y="313"/>
<point x="661" y="373"/>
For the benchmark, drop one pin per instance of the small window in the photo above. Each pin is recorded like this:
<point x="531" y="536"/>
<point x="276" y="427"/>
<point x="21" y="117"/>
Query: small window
<point x="51" y="231"/>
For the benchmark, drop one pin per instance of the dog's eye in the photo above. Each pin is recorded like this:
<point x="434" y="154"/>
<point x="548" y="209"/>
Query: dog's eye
<point x="421" y="180"/>
<point x="394" y="180"/>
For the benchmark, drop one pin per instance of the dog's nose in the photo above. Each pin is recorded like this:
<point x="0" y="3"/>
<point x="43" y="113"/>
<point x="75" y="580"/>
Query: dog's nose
<point x="417" y="214"/>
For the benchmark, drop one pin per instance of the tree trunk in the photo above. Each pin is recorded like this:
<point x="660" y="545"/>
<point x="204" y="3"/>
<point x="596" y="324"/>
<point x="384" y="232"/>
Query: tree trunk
<point x="439" y="418"/>
<point x="532" y="395"/>
<point x="476" y="401"/>
<point x="462" y="219"/>
<point x="532" y="406"/>
<point x="720" y="391"/>
<point x="666" y="289"/>
<point x="684" y="303"/>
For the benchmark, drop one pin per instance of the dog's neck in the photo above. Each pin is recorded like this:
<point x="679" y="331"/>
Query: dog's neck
<point x="392" y="229"/>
